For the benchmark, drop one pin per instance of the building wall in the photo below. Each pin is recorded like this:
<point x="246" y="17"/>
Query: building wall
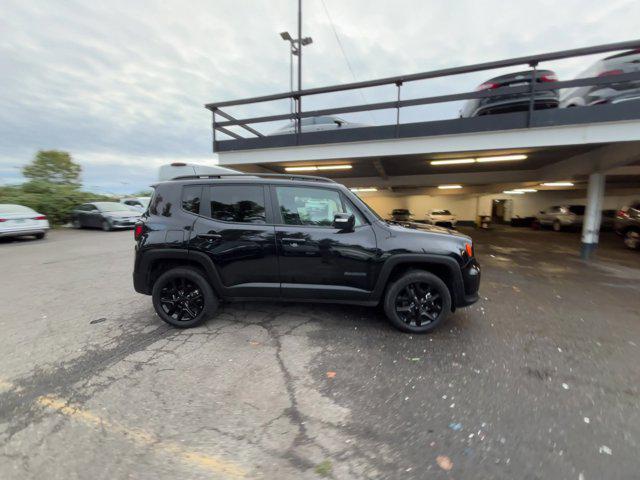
<point x="468" y="207"/>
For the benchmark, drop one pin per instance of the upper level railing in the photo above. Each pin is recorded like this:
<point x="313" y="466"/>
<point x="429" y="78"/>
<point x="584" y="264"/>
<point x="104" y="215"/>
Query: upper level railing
<point x="531" y="61"/>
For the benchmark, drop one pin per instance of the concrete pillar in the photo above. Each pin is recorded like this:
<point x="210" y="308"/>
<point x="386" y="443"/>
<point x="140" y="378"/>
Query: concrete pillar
<point x="592" y="215"/>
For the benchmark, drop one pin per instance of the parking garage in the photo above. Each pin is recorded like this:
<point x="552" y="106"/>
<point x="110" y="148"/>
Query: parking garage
<point x="508" y="167"/>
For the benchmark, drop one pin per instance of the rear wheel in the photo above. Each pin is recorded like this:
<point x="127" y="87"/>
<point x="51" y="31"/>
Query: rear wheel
<point x="76" y="223"/>
<point x="557" y="226"/>
<point x="40" y="235"/>
<point x="417" y="302"/>
<point x="182" y="297"/>
<point x="632" y="239"/>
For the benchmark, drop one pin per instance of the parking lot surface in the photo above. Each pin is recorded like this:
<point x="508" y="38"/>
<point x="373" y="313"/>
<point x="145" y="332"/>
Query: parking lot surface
<point x="538" y="380"/>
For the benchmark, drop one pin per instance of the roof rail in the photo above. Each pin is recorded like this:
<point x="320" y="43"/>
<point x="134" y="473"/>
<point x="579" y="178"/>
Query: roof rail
<point x="281" y="176"/>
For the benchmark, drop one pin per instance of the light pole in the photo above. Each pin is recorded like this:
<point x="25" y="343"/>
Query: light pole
<point x="296" y="49"/>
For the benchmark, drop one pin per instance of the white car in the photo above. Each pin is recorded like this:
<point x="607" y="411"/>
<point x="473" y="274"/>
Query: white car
<point x="318" y="124"/>
<point x="21" y="221"/>
<point x="443" y="218"/>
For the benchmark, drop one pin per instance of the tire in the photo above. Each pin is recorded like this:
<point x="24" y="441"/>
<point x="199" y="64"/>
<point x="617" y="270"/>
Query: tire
<point x="106" y="226"/>
<point x="196" y="300"/>
<point x="428" y="315"/>
<point x="76" y="223"/>
<point x="557" y="226"/>
<point x="632" y="239"/>
<point x="40" y="236"/>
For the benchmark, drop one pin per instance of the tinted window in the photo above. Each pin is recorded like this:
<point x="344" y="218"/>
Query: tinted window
<point x="308" y="206"/>
<point x="238" y="203"/>
<point x="191" y="198"/>
<point x="577" y="209"/>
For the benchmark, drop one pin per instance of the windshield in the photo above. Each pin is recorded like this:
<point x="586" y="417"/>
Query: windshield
<point x="9" y="208"/>
<point x="111" y="207"/>
<point x="144" y="201"/>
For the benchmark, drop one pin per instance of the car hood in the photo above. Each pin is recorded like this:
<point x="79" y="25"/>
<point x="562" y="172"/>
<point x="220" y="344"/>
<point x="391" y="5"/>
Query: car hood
<point x="404" y="227"/>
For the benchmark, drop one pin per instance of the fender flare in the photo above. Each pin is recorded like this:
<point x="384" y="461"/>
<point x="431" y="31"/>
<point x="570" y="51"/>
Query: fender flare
<point x="456" y="283"/>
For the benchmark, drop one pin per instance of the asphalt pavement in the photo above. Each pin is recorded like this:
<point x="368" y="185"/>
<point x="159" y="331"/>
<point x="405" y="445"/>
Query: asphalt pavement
<point x="539" y="380"/>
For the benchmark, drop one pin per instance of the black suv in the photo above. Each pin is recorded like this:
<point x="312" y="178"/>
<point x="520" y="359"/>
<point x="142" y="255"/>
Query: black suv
<point x="206" y="239"/>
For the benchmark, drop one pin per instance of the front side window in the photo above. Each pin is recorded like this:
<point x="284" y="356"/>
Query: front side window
<point x="238" y="203"/>
<point x="191" y="198"/>
<point x="308" y="206"/>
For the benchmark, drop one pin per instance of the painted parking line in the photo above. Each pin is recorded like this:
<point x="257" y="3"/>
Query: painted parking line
<point x="211" y="463"/>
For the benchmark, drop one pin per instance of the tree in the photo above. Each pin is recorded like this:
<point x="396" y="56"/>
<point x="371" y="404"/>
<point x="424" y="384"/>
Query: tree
<point x="53" y="166"/>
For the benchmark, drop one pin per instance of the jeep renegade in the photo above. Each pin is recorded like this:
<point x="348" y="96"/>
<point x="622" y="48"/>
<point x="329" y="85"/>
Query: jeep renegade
<point x="207" y="239"/>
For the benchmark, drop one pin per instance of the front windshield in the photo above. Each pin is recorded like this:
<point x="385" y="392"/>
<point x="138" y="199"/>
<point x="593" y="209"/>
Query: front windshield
<point x="112" y="207"/>
<point x="144" y="201"/>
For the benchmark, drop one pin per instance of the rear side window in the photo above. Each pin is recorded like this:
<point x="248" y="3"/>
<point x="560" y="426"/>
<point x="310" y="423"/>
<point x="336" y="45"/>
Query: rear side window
<point x="191" y="198"/>
<point x="238" y="203"/>
<point x="577" y="209"/>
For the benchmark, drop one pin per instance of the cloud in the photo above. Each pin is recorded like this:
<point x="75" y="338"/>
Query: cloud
<point x="123" y="83"/>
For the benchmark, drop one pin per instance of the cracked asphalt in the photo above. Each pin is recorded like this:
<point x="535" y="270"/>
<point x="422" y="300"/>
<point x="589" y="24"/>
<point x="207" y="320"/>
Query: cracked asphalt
<point x="538" y="380"/>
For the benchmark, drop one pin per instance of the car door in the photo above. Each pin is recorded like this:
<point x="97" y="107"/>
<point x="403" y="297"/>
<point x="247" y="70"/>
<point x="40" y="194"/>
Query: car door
<point x="235" y="230"/>
<point x="93" y="216"/>
<point x="317" y="260"/>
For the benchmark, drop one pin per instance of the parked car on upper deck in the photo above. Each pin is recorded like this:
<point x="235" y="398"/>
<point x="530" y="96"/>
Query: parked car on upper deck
<point x="627" y="224"/>
<point x="442" y="218"/>
<point x="626" y="62"/>
<point x="318" y="124"/>
<point x="21" y="221"/>
<point x="517" y="102"/>
<point x="206" y="240"/>
<point x="105" y="215"/>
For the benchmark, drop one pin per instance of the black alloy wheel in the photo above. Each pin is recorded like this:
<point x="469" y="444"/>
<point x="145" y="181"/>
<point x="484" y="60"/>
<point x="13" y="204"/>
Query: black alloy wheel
<point x="417" y="302"/>
<point x="183" y="298"/>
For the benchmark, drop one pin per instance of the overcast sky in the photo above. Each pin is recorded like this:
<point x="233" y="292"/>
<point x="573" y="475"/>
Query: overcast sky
<point x="121" y="84"/>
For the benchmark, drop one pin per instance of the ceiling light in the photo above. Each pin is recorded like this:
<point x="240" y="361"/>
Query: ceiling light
<point x="333" y="167"/>
<point x="557" y="184"/>
<point x="314" y="168"/>
<point x="364" y="189"/>
<point x="453" y="161"/>
<point x="301" y="169"/>
<point x="449" y="187"/>
<point x="502" y="158"/>
<point x="513" y="192"/>
<point x="525" y="190"/>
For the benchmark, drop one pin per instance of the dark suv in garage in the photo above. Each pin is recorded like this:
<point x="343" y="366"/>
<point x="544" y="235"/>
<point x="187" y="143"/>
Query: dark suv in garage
<point x="207" y="239"/>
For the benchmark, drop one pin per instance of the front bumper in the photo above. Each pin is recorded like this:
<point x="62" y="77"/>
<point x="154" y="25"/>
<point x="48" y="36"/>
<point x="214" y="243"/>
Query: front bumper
<point x="471" y="280"/>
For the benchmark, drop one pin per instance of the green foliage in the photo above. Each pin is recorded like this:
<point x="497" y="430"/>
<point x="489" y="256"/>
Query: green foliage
<point x="54" y="200"/>
<point x="324" y="468"/>
<point x="53" y="166"/>
<point x="143" y="193"/>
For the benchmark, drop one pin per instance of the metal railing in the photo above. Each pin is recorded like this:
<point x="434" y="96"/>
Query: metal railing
<point x="531" y="61"/>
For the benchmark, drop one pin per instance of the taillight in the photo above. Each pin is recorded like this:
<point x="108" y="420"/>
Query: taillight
<point x="40" y="217"/>
<point x="549" y="77"/>
<point x="606" y="73"/>
<point x="3" y="219"/>
<point x="622" y="214"/>
<point x="488" y="86"/>
<point x="137" y="231"/>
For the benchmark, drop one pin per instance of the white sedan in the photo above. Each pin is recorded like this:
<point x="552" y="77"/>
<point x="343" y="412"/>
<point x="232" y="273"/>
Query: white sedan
<point x="20" y="221"/>
<point x="443" y="218"/>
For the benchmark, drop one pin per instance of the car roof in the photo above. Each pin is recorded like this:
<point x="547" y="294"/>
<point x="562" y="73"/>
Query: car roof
<point x="241" y="179"/>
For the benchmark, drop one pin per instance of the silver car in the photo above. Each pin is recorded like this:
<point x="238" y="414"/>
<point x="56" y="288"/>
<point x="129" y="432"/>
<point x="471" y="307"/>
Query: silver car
<point x="21" y="221"/>
<point x="560" y="217"/>
<point x="318" y="124"/>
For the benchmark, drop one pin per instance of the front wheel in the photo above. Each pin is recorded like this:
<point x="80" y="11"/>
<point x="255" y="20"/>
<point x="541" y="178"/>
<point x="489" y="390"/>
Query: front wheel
<point x="417" y="302"/>
<point x="182" y="297"/>
<point x="557" y="226"/>
<point x="106" y="226"/>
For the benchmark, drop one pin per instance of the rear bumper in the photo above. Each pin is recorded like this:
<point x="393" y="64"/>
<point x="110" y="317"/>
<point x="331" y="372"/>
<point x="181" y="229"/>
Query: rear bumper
<point x="515" y="104"/>
<point x="23" y="232"/>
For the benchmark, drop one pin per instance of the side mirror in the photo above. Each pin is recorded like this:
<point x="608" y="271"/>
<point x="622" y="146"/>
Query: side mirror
<point x="345" y="222"/>
<point x="338" y="122"/>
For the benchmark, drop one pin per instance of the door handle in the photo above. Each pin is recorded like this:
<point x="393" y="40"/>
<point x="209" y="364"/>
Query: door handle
<point x="211" y="236"/>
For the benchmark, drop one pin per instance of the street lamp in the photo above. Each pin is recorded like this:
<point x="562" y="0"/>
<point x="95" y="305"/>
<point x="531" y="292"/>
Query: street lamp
<point x="294" y="50"/>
